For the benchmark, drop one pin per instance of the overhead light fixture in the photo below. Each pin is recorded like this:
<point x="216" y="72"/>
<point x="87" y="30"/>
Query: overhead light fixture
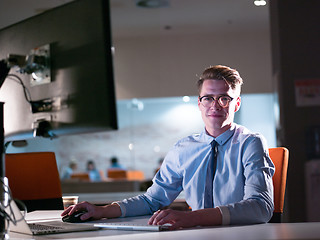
<point x="186" y="98"/>
<point x="260" y="3"/>
<point x="136" y="104"/>
<point x="152" y="3"/>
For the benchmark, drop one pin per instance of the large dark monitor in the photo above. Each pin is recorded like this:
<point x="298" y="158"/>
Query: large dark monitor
<point x="75" y="94"/>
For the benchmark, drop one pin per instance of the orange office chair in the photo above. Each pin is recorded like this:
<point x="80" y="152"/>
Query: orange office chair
<point x="280" y="158"/>
<point x="80" y="176"/>
<point x="34" y="179"/>
<point x="135" y="175"/>
<point x="116" y="174"/>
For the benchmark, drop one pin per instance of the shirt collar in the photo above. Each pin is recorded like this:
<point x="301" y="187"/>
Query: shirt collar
<point x="222" y="138"/>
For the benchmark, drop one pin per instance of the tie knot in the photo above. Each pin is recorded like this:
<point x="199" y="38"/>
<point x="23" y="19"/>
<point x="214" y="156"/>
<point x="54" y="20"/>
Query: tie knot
<point x="213" y="143"/>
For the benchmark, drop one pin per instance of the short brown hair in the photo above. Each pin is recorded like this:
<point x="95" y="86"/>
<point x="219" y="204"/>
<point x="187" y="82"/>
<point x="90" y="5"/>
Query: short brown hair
<point x="219" y="72"/>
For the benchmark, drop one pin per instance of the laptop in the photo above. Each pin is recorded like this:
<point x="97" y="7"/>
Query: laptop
<point x="42" y="228"/>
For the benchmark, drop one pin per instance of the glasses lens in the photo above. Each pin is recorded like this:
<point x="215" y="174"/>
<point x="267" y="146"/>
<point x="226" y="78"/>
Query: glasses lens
<point x="224" y="101"/>
<point x="206" y="101"/>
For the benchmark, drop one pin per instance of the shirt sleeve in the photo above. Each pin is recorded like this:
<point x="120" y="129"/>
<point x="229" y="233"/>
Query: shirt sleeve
<point x="225" y="215"/>
<point x="164" y="190"/>
<point x="257" y="205"/>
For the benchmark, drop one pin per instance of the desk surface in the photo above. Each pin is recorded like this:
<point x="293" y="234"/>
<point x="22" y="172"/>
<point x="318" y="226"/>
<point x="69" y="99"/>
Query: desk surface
<point x="288" y="231"/>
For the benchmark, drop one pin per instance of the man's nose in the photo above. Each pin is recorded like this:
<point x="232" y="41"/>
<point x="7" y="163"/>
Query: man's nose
<point x="215" y="104"/>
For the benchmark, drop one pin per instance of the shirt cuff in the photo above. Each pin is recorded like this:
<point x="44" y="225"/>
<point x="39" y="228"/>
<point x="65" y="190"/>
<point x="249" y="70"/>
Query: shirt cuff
<point x="225" y="215"/>
<point x="122" y="208"/>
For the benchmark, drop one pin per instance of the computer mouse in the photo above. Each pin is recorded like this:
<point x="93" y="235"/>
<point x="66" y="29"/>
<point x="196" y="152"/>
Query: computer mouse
<point x="75" y="217"/>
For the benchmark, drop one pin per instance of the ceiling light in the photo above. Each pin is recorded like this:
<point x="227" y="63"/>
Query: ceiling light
<point x="259" y="3"/>
<point x="186" y="99"/>
<point x="152" y="3"/>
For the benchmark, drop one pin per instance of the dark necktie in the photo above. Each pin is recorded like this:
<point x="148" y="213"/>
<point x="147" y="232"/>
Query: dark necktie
<point x="208" y="195"/>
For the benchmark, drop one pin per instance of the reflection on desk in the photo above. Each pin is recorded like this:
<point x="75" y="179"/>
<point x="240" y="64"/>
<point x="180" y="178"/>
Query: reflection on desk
<point x="266" y="231"/>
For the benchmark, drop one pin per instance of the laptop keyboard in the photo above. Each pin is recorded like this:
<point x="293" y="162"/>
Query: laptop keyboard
<point x="41" y="227"/>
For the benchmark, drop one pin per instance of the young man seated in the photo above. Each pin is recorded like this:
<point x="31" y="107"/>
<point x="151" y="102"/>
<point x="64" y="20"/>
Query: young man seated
<point x="225" y="171"/>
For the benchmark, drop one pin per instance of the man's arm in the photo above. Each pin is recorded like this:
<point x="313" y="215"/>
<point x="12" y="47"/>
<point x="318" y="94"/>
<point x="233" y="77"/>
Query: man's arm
<point x="257" y="204"/>
<point x="165" y="188"/>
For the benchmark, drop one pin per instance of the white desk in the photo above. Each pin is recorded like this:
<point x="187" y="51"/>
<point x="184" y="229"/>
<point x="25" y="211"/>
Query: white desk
<point x="272" y="231"/>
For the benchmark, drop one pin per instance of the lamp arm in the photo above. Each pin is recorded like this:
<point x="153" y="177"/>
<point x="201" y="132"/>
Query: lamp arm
<point x="4" y="70"/>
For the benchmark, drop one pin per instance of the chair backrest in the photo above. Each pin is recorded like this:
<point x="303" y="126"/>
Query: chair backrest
<point x="280" y="158"/>
<point x="34" y="179"/>
<point x="135" y="175"/>
<point x="116" y="174"/>
<point x="80" y="176"/>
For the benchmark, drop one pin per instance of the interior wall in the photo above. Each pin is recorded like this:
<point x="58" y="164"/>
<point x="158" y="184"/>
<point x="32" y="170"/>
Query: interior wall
<point x="170" y="65"/>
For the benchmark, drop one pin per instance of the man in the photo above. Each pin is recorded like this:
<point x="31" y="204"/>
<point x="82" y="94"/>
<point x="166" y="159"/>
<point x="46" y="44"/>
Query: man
<point x="94" y="174"/>
<point x="225" y="172"/>
<point x="72" y="168"/>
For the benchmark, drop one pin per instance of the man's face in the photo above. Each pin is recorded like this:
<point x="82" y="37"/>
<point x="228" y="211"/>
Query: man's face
<point x="216" y="118"/>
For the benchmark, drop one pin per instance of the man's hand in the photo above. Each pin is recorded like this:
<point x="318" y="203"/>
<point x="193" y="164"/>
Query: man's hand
<point x="177" y="219"/>
<point x="93" y="211"/>
<point x="186" y="219"/>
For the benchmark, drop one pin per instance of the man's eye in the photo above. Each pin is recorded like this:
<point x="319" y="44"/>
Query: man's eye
<point x="225" y="99"/>
<point x="206" y="99"/>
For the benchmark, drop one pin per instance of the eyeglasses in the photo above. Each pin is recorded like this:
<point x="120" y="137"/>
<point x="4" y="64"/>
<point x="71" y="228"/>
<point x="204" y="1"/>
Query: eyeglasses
<point x="223" y="100"/>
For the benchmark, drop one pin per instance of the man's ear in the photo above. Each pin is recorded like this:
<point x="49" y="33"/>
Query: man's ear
<point x="238" y="104"/>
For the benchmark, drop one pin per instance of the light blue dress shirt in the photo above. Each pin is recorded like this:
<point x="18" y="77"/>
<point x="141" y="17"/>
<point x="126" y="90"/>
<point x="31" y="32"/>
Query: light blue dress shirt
<point x="242" y="186"/>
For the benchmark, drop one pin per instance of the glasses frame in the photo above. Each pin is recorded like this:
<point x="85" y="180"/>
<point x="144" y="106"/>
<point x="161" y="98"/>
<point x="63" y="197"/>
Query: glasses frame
<point x="218" y="99"/>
